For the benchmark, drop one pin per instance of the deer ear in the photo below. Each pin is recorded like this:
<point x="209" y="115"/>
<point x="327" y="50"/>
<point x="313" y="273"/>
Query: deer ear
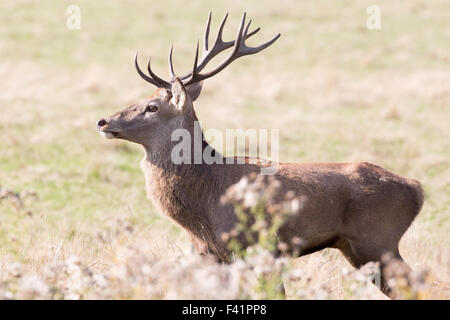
<point x="194" y="90"/>
<point x="178" y="94"/>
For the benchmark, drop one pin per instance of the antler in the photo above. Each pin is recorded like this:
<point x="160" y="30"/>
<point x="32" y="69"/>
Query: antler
<point x="153" y="79"/>
<point x="218" y="46"/>
<point x="240" y="50"/>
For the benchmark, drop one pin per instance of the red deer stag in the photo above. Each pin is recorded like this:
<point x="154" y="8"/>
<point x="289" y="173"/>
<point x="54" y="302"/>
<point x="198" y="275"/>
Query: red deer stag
<point x="359" y="208"/>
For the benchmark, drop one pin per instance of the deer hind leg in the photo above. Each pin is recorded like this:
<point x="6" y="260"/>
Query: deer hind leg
<point x="360" y="253"/>
<point x="345" y="248"/>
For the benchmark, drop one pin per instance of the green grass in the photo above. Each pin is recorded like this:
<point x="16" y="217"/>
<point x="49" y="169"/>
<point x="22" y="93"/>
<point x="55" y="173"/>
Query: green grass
<point x="329" y="84"/>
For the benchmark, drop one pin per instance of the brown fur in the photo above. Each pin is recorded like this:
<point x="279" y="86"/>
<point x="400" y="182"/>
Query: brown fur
<point x="359" y="208"/>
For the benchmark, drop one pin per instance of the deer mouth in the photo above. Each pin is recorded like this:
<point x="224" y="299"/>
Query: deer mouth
<point x="109" y="134"/>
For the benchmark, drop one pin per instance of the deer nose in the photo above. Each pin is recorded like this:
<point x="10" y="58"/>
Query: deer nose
<point x="101" y="123"/>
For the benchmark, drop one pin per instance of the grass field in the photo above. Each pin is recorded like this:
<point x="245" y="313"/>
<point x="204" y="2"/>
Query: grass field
<point x="338" y="92"/>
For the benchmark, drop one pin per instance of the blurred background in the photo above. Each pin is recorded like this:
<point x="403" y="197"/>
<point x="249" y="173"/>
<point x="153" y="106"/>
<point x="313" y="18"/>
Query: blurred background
<point x="337" y="91"/>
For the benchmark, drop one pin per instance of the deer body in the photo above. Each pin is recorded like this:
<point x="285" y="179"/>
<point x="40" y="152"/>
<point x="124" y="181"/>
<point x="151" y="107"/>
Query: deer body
<point x="359" y="208"/>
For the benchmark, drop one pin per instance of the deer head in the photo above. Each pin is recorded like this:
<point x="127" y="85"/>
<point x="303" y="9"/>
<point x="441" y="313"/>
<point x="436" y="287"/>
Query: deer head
<point x="151" y="121"/>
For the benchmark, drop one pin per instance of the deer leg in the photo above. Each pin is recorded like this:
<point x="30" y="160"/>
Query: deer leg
<point x="394" y="267"/>
<point x="360" y="252"/>
<point x="358" y="261"/>
<point x="348" y="253"/>
<point x="364" y="252"/>
<point x="281" y="290"/>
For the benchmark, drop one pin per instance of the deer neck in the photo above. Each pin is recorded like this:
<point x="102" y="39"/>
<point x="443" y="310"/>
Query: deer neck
<point x="187" y="193"/>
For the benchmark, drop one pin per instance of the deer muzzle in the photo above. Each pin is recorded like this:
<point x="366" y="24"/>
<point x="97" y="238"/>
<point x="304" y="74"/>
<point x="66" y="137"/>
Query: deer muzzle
<point x="103" y="128"/>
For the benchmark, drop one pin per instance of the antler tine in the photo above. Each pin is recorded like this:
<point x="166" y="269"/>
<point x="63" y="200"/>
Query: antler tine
<point x="206" y="35"/>
<point x="253" y="50"/>
<point x="172" y="73"/>
<point x="252" y="33"/>
<point x="194" y="68"/>
<point x="220" y="31"/>
<point x="238" y="42"/>
<point x="246" y="28"/>
<point x="162" y="82"/>
<point x="245" y="50"/>
<point x="142" y="74"/>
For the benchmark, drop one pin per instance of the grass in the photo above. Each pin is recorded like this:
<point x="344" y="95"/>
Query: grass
<point x="337" y="91"/>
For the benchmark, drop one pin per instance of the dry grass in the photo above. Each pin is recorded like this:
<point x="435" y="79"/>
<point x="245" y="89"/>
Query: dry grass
<point x="337" y="91"/>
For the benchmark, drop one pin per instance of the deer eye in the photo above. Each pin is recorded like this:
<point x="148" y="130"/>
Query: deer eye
<point x="151" y="108"/>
